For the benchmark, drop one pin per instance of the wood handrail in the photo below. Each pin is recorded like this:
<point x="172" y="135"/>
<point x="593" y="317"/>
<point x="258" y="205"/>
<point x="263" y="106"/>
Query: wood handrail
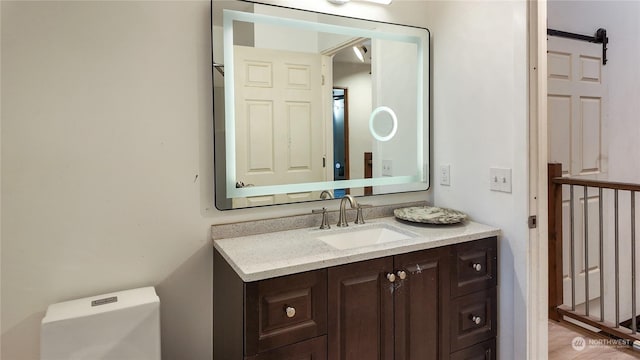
<point x="596" y="183"/>
<point x="555" y="240"/>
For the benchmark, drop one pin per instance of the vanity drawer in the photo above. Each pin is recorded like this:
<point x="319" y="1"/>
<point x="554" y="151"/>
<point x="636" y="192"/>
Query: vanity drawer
<point x="473" y="319"/>
<point x="285" y="310"/>
<point x="474" y="266"/>
<point x="314" y="349"/>
<point x="482" y="351"/>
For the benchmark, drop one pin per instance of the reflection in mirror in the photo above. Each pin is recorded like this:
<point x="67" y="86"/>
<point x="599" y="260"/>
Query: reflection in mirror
<point x="306" y="102"/>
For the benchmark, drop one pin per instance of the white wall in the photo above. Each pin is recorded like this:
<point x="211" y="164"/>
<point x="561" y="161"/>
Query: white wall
<point x="106" y="121"/>
<point x="106" y="110"/>
<point x="396" y="87"/>
<point x="281" y="37"/>
<point x="480" y="121"/>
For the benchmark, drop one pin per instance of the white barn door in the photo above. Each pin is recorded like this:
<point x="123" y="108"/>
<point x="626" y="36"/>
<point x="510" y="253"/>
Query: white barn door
<point x="577" y="123"/>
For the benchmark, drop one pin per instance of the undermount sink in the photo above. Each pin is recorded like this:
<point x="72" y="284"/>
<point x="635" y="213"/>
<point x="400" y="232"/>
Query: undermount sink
<point x="365" y="235"/>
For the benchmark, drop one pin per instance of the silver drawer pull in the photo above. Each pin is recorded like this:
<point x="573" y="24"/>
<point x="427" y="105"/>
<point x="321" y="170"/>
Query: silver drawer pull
<point x="291" y="311"/>
<point x="476" y="319"/>
<point x="477" y="267"/>
<point x="391" y="277"/>
<point x="402" y="275"/>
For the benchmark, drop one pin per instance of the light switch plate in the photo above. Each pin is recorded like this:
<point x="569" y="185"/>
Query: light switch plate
<point x="445" y="175"/>
<point x="500" y="179"/>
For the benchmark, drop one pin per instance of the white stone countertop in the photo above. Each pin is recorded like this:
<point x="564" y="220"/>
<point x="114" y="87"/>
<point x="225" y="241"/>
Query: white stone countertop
<point x="258" y="257"/>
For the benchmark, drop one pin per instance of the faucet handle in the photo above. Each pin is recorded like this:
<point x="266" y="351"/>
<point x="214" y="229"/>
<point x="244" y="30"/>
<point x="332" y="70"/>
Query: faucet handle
<point x="359" y="217"/>
<point x="325" y="218"/>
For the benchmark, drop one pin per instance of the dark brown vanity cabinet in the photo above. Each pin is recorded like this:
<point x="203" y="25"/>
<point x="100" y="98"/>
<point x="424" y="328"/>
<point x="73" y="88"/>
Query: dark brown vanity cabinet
<point x="431" y="304"/>
<point x="388" y="308"/>
<point x="274" y="319"/>
<point x="360" y="308"/>
<point x="473" y="318"/>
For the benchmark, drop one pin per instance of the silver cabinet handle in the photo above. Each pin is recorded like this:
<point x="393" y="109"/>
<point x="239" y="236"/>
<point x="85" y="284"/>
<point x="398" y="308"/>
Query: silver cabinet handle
<point x="402" y="275"/>
<point x="476" y="319"/>
<point x="477" y="267"/>
<point x="391" y="277"/>
<point x="290" y="311"/>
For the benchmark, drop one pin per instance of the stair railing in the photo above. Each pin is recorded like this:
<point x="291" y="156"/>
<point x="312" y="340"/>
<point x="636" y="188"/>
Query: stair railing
<point x="558" y="310"/>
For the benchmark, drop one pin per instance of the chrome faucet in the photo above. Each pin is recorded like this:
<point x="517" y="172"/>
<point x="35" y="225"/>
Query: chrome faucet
<point x="325" y="219"/>
<point x="343" y="216"/>
<point x="326" y="194"/>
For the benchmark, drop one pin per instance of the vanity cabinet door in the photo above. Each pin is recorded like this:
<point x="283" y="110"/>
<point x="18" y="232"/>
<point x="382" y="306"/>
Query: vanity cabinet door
<point x="419" y="305"/>
<point x="360" y="311"/>
<point x="284" y="310"/>
<point x="314" y="349"/>
<point x="482" y="351"/>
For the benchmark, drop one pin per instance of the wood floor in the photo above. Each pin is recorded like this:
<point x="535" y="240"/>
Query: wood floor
<point x="567" y="341"/>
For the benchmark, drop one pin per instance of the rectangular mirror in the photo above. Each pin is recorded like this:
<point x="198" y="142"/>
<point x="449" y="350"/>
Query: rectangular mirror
<point x="306" y="102"/>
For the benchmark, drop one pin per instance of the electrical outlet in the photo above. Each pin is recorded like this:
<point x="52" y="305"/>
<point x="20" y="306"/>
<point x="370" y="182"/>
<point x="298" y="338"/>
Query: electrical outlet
<point x="445" y="175"/>
<point x="500" y="179"/>
<point x="387" y="169"/>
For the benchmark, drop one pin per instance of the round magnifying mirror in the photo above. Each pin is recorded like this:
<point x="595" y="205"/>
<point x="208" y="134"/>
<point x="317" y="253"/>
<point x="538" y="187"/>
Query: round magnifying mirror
<point x="383" y="123"/>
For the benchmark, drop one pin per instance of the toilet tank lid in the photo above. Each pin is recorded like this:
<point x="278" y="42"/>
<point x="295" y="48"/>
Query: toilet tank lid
<point x="98" y="304"/>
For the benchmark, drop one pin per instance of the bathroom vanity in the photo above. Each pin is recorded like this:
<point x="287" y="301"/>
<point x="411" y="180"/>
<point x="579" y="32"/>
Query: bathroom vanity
<point x="380" y="290"/>
<point x="290" y="295"/>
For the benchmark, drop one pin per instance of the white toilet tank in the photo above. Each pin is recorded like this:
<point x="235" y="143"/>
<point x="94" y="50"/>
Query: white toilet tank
<point x="119" y="326"/>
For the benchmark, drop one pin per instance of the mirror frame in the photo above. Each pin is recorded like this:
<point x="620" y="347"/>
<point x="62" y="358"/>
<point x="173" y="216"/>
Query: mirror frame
<point x="422" y="41"/>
